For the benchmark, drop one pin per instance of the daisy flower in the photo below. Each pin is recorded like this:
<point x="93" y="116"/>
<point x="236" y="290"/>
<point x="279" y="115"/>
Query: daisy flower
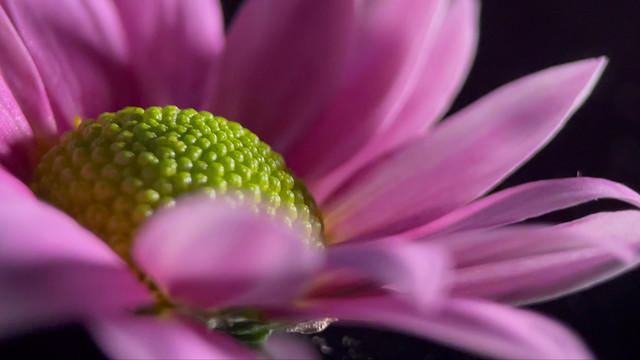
<point x="175" y="233"/>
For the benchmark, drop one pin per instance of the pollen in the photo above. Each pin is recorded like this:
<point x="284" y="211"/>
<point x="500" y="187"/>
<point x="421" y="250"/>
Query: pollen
<point x="113" y="172"/>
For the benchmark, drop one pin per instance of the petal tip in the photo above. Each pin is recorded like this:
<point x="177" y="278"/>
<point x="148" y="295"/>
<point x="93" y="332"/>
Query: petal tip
<point x="587" y="70"/>
<point x="601" y="63"/>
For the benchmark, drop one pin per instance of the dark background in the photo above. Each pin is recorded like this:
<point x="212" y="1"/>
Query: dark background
<point x="601" y="140"/>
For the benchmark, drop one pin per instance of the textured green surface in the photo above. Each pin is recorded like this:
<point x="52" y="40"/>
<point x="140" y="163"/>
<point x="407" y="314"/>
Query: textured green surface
<point x="112" y="173"/>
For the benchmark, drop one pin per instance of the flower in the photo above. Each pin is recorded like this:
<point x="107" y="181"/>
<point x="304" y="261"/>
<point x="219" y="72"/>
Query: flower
<point x="350" y="94"/>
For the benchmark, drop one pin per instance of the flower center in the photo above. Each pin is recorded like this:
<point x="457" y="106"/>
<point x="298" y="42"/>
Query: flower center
<point x="112" y="173"/>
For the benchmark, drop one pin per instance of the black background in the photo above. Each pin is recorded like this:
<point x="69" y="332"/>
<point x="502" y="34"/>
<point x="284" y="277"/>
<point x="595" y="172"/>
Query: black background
<point x="601" y="140"/>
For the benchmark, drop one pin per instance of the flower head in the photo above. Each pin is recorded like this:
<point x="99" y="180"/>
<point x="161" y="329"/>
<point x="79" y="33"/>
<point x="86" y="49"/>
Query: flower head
<point x="350" y="94"/>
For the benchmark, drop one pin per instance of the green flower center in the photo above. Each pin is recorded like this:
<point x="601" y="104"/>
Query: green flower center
<point x="112" y="173"/>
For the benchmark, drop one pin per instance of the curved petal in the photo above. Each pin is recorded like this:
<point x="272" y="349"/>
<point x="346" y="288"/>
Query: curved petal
<point x="283" y="63"/>
<point x="476" y="326"/>
<point x="10" y="186"/>
<point x="531" y="265"/>
<point x="439" y="78"/>
<point x="409" y="268"/>
<point x="174" y="47"/>
<point x="79" y="50"/>
<point x="443" y="73"/>
<point x="390" y="40"/>
<point x="16" y="137"/>
<point x="146" y="337"/>
<point x="52" y="269"/>
<point x="527" y="201"/>
<point x="207" y="253"/>
<point x="21" y="76"/>
<point x="464" y="157"/>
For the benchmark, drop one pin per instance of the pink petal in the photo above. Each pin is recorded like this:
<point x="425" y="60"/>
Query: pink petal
<point x="290" y="346"/>
<point x="442" y="75"/>
<point x="16" y="138"/>
<point x="524" y="265"/>
<point x="464" y="157"/>
<point x="21" y="76"/>
<point x="480" y="327"/>
<point x="174" y="47"/>
<point x="283" y="62"/>
<point x="409" y="268"/>
<point x="79" y="50"/>
<point x="439" y="78"/>
<point x="147" y="337"/>
<point x="527" y="201"/>
<point x="11" y="187"/>
<point x="391" y="37"/>
<point x="52" y="269"/>
<point x="207" y="253"/>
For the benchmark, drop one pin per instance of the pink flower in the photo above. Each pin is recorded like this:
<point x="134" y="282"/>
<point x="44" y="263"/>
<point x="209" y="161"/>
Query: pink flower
<point x="350" y="93"/>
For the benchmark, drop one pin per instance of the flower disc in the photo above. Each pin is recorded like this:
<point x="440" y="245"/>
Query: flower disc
<point x="110" y="174"/>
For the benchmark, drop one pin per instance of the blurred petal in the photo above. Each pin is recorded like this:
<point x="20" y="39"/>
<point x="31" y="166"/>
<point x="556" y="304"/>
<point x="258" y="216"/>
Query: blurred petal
<point x="174" y="47"/>
<point x="52" y="269"/>
<point x="442" y="75"/>
<point x="79" y="50"/>
<point x="146" y="337"/>
<point x="283" y="63"/>
<point x="21" y="76"/>
<point x="16" y="137"/>
<point x="527" y="201"/>
<point x="464" y="157"/>
<point x="283" y="346"/>
<point x="207" y="253"/>
<point x="439" y="77"/>
<point x="531" y="265"/>
<point x="11" y="187"/>
<point x="480" y="327"/>
<point x="391" y="37"/>
<point x="409" y="268"/>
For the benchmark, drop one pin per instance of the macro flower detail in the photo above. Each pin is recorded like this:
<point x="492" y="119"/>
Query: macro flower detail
<point x="111" y="173"/>
<point x="350" y="95"/>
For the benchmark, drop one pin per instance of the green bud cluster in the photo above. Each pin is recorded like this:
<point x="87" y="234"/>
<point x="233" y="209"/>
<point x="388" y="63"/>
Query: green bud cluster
<point x="110" y="174"/>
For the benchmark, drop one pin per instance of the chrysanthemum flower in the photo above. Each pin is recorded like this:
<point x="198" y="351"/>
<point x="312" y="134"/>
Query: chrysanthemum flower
<point x="349" y="93"/>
